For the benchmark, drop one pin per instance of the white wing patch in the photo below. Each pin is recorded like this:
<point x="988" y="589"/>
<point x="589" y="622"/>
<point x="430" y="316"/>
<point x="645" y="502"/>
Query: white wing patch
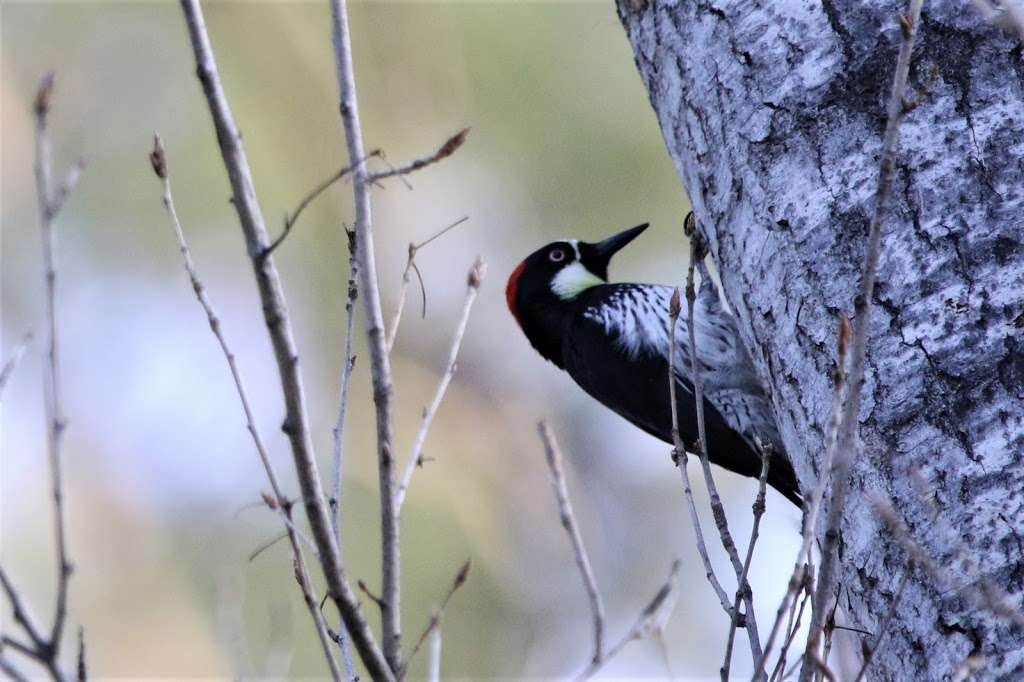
<point x="638" y="316"/>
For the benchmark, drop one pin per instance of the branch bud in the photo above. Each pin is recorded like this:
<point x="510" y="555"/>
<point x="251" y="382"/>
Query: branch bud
<point x="157" y="158"/>
<point x="905" y="25"/>
<point x="843" y="341"/>
<point x="42" y="103"/>
<point x="463" y="574"/>
<point x="452" y="144"/>
<point x="476" y="273"/>
<point x="674" y="305"/>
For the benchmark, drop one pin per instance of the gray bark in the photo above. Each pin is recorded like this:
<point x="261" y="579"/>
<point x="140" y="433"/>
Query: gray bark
<point x="773" y="113"/>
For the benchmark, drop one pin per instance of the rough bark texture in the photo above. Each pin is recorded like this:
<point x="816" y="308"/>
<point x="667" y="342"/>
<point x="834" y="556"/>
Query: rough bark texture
<point x="773" y="113"/>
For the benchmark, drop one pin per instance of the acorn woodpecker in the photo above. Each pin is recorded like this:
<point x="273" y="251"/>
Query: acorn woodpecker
<point x="613" y="341"/>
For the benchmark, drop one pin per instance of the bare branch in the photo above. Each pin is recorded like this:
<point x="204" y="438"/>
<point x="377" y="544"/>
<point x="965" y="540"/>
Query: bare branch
<point x="1009" y="15"/>
<point x="651" y="621"/>
<point x="290" y="220"/>
<point x="296" y="424"/>
<point x="443" y="152"/>
<point x="554" y="458"/>
<point x="792" y="627"/>
<point x="380" y="365"/>
<point x="802" y="574"/>
<point x="983" y="591"/>
<point x="12" y="362"/>
<point x="434" y="624"/>
<point x="278" y="502"/>
<point x="410" y="267"/>
<point x="679" y="457"/>
<point x="347" y="367"/>
<point x="697" y="252"/>
<point x="883" y="625"/>
<point x="21" y="614"/>
<point x="473" y="281"/>
<point x="848" y="424"/>
<point x="434" y="666"/>
<point x="758" y="510"/>
<point x="50" y="202"/>
<point x="9" y="668"/>
<point x="81" y="668"/>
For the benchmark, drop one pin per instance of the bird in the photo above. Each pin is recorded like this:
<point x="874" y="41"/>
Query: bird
<point x="613" y="340"/>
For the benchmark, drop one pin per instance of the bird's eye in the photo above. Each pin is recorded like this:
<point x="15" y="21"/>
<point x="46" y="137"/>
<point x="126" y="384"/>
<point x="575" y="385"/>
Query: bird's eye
<point x="556" y="256"/>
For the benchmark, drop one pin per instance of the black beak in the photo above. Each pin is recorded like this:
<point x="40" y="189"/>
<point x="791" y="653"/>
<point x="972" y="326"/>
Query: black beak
<point x="612" y="245"/>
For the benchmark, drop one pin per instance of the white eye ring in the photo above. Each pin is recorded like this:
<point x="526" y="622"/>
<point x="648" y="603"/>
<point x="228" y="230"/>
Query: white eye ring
<point x="557" y="256"/>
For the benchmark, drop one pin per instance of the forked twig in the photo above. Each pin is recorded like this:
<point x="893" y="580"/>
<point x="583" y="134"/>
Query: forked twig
<point x="348" y="363"/>
<point x="679" y="457"/>
<point x="434" y="624"/>
<point x="410" y="268"/>
<point x="898" y="107"/>
<point x="443" y="152"/>
<point x="473" y="281"/>
<point x="275" y="312"/>
<point x="380" y="364"/>
<point x="293" y="217"/>
<point x="717" y="509"/>
<point x="758" y="511"/>
<point x="553" y="454"/>
<point x="650" y="622"/>
<point x="802" y="575"/>
<point x="883" y="626"/>
<point x="279" y="503"/>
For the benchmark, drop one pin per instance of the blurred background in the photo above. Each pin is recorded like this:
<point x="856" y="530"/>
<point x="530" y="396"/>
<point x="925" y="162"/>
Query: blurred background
<point x="161" y="476"/>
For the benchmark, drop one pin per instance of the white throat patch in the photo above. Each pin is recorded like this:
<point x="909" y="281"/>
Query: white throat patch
<point x="572" y="280"/>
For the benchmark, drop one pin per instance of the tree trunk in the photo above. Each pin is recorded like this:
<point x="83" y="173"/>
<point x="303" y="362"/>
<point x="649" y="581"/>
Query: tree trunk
<point x="773" y="113"/>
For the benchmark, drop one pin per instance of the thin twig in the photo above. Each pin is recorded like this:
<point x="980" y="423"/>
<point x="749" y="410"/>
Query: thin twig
<point x="434" y="665"/>
<point x="758" y="511"/>
<point x="883" y="625"/>
<point x="267" y="545"/>
<point x="380" y="365"/>
<point x="717" y="509"/>
<point x="50" y="202"/>
<point x="410" y="267"/>
<point x="829" y="630"/>
<point x="81" y="667"/>
<point x="848" y="424"/>
<point x="443" y="152"/>
<point x="802" y="574"/>
<point x="347" y="367"/>
<point x="291" y="219"/>
<point x="278" y="502"/>
<point x="434" y="623"/>
<point x="650" y="622"/>
<point x="12" y="671"/>
<point x="553" y="455"/>
<point x="279" y="327"/>
<point x="12" y="362"/>
<point x="982" y="590"/>
<point x="21" y="614"/>
<point x="679" y="457"/>
<point x="1009" y="16"/>
<point x="473" y="281"/>
<point x="792" y="627"/>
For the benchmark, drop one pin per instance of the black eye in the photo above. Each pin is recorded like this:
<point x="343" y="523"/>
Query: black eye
<point x="556" y="256"/>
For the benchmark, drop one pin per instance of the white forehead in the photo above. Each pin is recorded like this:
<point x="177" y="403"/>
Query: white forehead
<point x="575" y="244"/>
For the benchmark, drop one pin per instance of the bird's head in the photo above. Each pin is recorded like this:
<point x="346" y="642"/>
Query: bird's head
<point x="544" y="286"/>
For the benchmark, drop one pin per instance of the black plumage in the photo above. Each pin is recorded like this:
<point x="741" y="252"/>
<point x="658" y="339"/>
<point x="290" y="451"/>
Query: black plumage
<point x="613" y="340"/>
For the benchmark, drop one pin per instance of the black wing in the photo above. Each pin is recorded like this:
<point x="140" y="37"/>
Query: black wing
<point x="633" y="382"/>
